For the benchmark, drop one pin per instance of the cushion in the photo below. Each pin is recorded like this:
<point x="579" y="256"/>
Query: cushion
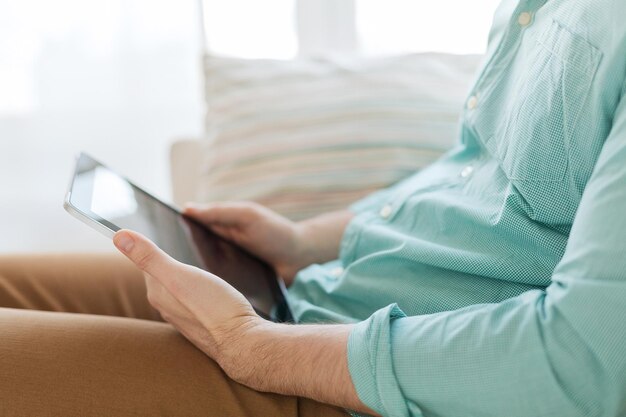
<point x="305" y="137"/>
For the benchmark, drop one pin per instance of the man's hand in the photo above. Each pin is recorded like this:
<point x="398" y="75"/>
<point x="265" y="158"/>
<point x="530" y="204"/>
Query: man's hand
<point x="273" y="238"/>
<point x="201" y="306"/>
<point x="306" y="361"/>
<point x="285" y="245"/>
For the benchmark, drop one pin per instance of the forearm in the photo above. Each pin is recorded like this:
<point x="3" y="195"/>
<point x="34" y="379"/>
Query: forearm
<point x="300" y="360"/>
<point x="321" y="236"/>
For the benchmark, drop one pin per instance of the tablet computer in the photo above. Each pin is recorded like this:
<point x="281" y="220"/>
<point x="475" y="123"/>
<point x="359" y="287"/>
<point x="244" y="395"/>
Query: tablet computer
<point x="109" y="202"/>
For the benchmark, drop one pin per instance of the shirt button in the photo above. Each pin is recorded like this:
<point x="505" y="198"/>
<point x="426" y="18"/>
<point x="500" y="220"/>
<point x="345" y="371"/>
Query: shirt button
<point x="385" y="212"/>
<point x="524" y="19"/>
<point x="472" y="102"/>
<point x="467" y="171"/>
<point x="335" y="273"/>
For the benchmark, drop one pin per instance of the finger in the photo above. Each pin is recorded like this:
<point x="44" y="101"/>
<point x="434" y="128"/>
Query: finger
<point x="145" y="254"/>
<point x="223" y="231"/>
<point x="190" y="286"/>
<point x="227" y="214"/>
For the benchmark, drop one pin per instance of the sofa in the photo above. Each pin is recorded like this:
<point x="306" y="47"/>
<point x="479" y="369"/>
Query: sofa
<point x="309" y="136"/>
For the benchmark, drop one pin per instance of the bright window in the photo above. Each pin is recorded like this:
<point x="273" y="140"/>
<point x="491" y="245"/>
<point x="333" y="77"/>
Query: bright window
<point x="251" y="28"/>
<point x="283" y="28"/>
<point x="400" y="26"/>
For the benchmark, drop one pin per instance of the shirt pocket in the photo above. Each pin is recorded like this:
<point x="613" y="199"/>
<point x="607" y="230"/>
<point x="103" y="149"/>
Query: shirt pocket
<point x="533" y="142"/>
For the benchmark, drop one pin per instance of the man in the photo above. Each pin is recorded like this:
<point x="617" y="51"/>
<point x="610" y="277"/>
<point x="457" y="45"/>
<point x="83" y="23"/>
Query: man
<point x="491" y="284"/>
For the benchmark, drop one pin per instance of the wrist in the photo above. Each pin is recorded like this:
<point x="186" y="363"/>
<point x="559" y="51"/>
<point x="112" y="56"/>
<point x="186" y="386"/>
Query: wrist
<point x="320" y="237"/>
<point x="306" y="251"/>
<point x="302" y="253"/>
<point x="315" y="240"/>
<point x="296" y="360"/>
<point x="241" y="351"/>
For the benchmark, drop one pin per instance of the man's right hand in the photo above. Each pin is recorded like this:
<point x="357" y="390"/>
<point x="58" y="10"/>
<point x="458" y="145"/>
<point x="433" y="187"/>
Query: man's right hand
<point x="286" y="246"/>
<point x="264" y="233"/>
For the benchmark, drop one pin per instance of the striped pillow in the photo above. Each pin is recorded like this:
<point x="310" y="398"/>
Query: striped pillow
<point x="311" y="136"/>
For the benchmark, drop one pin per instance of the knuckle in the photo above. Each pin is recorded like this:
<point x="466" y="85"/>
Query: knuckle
<point x="144" y="259"/>
<point x="175" y="287"/>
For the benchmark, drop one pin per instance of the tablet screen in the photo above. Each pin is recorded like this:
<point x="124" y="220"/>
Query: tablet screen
<point x="116" y="203"/>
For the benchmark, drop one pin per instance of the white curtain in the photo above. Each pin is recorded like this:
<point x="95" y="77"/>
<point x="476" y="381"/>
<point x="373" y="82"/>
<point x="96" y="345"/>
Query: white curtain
<point x="119" y="79"/>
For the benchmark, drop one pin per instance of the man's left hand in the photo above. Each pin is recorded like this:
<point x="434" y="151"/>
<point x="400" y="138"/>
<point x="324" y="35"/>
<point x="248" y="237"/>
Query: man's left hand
<point x="201" y="306"/>
<point x="305" y="361"/>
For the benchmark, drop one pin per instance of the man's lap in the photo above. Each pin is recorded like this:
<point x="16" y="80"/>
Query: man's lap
<point x="60" y="363"/>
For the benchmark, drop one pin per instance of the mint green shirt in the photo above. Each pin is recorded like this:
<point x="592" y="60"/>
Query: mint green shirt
<point x="494" y="282"/>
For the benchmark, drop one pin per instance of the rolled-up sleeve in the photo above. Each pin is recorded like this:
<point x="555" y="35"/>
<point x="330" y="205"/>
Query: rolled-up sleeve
<point x="369" y="347"/>
<point x="558" y="352"/>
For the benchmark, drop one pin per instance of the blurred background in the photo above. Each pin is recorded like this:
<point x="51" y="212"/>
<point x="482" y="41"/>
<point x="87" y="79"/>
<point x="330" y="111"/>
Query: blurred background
<point x="122" y="80"/>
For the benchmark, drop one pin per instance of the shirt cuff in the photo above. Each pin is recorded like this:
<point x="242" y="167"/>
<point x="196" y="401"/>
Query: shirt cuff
<point x="370" y="366"/>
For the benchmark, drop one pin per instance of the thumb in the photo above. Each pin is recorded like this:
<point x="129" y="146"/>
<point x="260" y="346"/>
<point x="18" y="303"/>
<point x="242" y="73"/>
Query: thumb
<point x="188" y="285"/>
<point x="144" y="253"/>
